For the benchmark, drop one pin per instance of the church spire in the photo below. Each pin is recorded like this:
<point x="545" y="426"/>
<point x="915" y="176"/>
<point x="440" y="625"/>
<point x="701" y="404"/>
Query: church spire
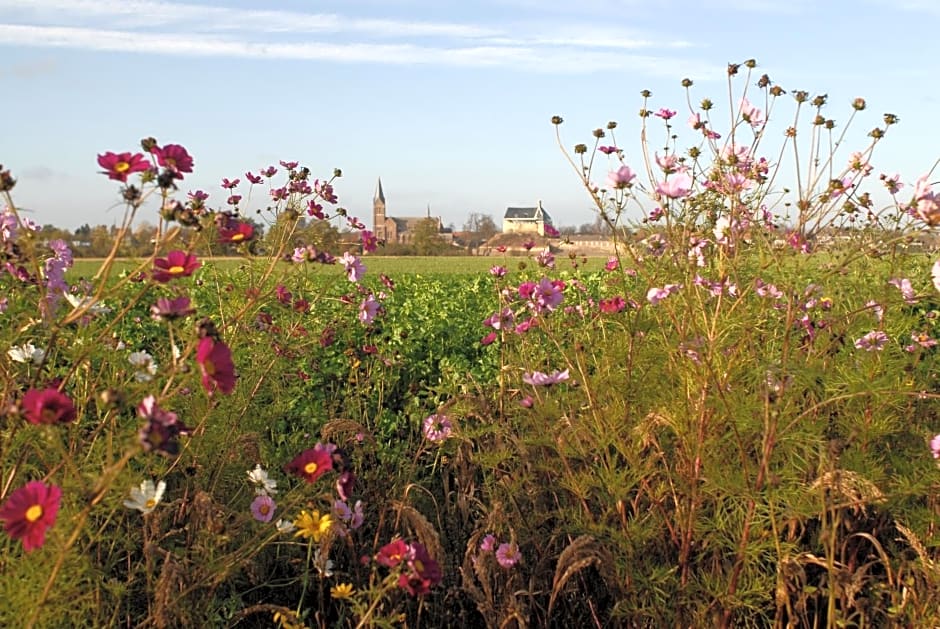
<point x="379" y="193"/>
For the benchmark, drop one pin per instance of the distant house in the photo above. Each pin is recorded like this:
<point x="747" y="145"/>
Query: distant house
<point x="399" y="229"/>
<point x="526" y="220"/>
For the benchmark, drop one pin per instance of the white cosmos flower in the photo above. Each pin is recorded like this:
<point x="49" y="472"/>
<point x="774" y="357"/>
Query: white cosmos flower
<point x="263" y="484"/>
<point x="80" y="302"/>
<point x="285" y="526"/>
<point x="147" y="497"/>
<point x="147" y="368"/>
<point x="26" y="353"/>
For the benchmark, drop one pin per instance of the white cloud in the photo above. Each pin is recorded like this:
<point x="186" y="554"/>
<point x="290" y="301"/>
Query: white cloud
<point x="185" y="29"/>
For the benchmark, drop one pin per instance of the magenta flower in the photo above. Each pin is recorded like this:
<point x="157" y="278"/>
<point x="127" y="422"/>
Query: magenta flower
<point x="612" y="264"/>
<point x="437" y="428"/>
<point x="288" y="165"/>
<point x="874" y="341"/>
<point x="488" y="543"/>
<point x="230" y="185"/>
<point x="547" y="295"/>
<point x="607" y="150"/>
<point x="175" y="264"/>
<point x="676" y="186"/>
<point x="392" y="553"/>
<point x="48" y="406"/>
<point x="252" y="178"/>
<point x="508" y="555"/>
<point x="215" y="363"/>
<point x="656" y="295"/>
<point x="907" y="290"/>
<point x="269" y="172"/>
<point x="665" y="114"/>
<point x="621" y="178"/>
<point x="161" y="428"/>
<point x="369" y="242"/>
<point x="540" y="379"/>
<point x="236" y="232"/>
<point x="935" y="446"/>
<point x="498" y="271"/>
<point x="550" y="231"/>
<point x="174" y="158"/>
<point x="118" y="166"/>
<point x="263" y="507"/>
<point x="29" y="512"/>
<point x="312" y="463"/>
<point x="422" y="573"/>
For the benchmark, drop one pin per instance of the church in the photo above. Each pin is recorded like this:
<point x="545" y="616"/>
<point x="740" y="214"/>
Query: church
<point x="399" y="229"/>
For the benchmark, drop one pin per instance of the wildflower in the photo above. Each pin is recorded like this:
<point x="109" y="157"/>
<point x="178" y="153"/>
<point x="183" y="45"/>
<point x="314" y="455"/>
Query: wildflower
<point x="612" y="305"/>
<point x="263" y="484"/>
<point x="342" y="591"/>
<point x="146" y="366"/>
<point x="147" y="497"/>
<point x="230" y="185"/>
<point x="159" y="432"/>
<point x="907" y="290"/>
<point x="353" y="266"/>
<point x="170" y="309"/>
<point x="174" y="158"/>
<point x="498" y="271"/>
<point x="874" y="341"/>
<point x="368" y="309"/>
<point x="508" y="555"/>
<point x="262" y="508"/>
<point x="935" y="446"/>
<point x="621" y="178"/>
<point x="488" y="543"/>
<point x="87" y="302"/>
<point x="236" y="232"/>
<point x="252" y="178"/>
<point x="489" y="339"/>
<point x="921" y="339"/>
<point x="752" y="115"/>
<point x="175" y="264"/>
<point x="29" y="512"/>
<point x="656" y="295"/>
<point x="323" y="564"/>
<point x="437" y="428"/>
<point x="527" y="402"/>
<point x="48" y="406"/>
<point x="285" y="526"/>
<point x="311" y="525"/>
<point x="369" y="242"/>
<point x="607" y="150"/>
<point x="423" y="572"/>
<point x="344" y="484"/>
<point x="288" y="165"/>
<point x="117" y="166"/>
<point x="215" y="362"/>
<point x="665" y="114"/>
<point x="539" y="379"/>
<point x="546" y="258"/>
<point x="312" y="463"/>
<point x="26" y="353"/>
<point x="547" y="295"/>
<point x="392" y="553"/>
<point x="612" y="264"/>
<point x="675" y="187"/>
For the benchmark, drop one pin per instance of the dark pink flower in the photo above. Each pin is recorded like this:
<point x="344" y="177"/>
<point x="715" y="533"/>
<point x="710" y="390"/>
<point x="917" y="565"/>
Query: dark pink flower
<point x="161" y="428"/>
<point x="392" y="553"/>
<point x="118" y="166"/>
<point x="215" y="362"/>
<point x="29" y="512"/>
<point x="49" y="406"/>
<point x="369" y="241"/>
<point x="252" y="178"/>
<point x="236" y="231"/>
<point x="175" y="264"/>
<point x="312" y="463"/>
<point x="665" y="114"/>
<point x="621" y="178"/>
<point x="508" y="555"/>
<point x="607" y="150"/>
<point x="174" y="158"/>
<point x="169" y="309"/>
<point x="288" y="165"/>
<point x="423" y="572"/>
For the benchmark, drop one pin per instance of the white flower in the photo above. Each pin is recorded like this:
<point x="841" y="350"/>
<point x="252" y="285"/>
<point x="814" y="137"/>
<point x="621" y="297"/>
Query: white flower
<point x="323" y="565"/>
<point x="26" y="353"/>
<point x="147" y="497"/>
<point x="81" y="302"/>
<point x="285" y="526"/>
<point x="263" y="484"/>
<point x="147" y="367"/>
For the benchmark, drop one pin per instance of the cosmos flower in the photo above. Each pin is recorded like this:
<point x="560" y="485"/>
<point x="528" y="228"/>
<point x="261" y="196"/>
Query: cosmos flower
<point x="29" y="512"/>
<point x="117" y="166"/>
<point x="146" y="498"/>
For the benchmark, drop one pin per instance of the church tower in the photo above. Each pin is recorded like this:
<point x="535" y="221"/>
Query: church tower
<point x="378" y="212"/>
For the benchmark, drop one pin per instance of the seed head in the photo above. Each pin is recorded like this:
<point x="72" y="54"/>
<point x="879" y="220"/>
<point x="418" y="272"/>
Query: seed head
<point x="763" y="81"/>
<point x="750" y="64"/>
<point x="646" y="93"/>
<point x="556" y="120"/>
<point x="733" y="69"/>
<point x="830" y="124"/>
<point x="611" y="125"/>
<point x="644" y="113"/>
<point x="776" y="90"/>
<point x="686" y="82"/>
<point x="694" y="152"/>
<point x="707" y="104"/>
<point x="148" y="144"/>
<point x="6" y="180"/>
<point x="819" y="120"/>
<point x="337" y="172"/>
<point x="820" y="100"/>
<point x="876" y="133"/>
<point x="599" y="133"/>
<point x="580" y="149"/>
<point x="858" y="104"/>
<point x="891" y="119"/>
<point x="801" y="96"/>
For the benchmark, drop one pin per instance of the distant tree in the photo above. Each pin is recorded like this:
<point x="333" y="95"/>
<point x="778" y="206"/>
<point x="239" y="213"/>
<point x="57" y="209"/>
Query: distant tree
<point x="481" y="227"/>
<point x="427" y="240"/>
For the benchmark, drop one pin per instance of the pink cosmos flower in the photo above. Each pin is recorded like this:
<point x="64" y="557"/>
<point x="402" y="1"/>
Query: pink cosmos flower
<point x="437" y="428"/>
<point x="229" y="185"/>
<point x="551" y="232"/>
<point x="48" y="406"/>
<point x="288" y="165"/>
<point x="892" y="183"/>
<point x="935" y="446"/>
<point x="612" y="264"/>
<point x="547" y="295"/>
<point x="168" y="309"/>
<point x="498" y="271"/>
<point x="489" y="339"/>
<point x="176" y="264"/>
<point x="161" y="428"/>
<point x="369" y="242"/>
<point x="368" y="309"/>
<point x="354" y="267"/>
<point x="907" y="290"/>
<point x="215" y="362"/>
<point x="752" y="115"/>
<point x="174" y="158"/>
<point x="621" y="178"/>
<point x="262" y="508"/>
<point x="665" y="114"/>
<point x="539" y="379"/>
<point x="236" y="232"/>
<point x="656" y="295"/>
<point x="607" y="150"/>
<point x="488" y="543"/>
<point x="392" y="553"/>
<point x="508" y="555"/>
<point x="117" y="166"/>
<point x="874" y="341"/>
<point x="29" y="512"/>
<point x="423" y="571"/>
<point x="676" y="186"/>
<point x="252" y="178"/>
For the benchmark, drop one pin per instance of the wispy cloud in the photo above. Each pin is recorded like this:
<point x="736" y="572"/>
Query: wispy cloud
<point x="185" y="29"/>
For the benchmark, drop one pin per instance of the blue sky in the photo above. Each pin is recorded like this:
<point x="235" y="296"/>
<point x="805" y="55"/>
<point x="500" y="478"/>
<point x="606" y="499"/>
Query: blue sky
<point x="448" y="101"/>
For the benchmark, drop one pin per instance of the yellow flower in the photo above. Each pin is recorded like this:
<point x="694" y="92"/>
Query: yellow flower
<point x="312" y="525"/>
<point x="342" y="591"/>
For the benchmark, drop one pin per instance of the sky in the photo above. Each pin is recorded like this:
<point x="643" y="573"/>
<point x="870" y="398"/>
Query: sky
<point x="448" y="101"/>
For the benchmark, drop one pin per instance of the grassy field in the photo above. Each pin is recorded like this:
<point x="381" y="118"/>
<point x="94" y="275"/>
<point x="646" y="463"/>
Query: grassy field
<point x="389" y="265"/>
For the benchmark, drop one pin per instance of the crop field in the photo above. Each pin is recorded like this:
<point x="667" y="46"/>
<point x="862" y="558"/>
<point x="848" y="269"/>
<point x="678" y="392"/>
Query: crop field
<point x="732" y="422"/>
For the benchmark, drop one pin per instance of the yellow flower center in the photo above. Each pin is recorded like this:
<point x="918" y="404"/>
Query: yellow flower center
<point x="209" y="367"/>
<point x="150" y="504"/>
<point x="310" y="468"/>
<point x="175" y="270"/>
<point x="33" y="513"/>
<point x="237" y="237"/>
<point x="121" y="167"/>
<point x="264" y="509"/>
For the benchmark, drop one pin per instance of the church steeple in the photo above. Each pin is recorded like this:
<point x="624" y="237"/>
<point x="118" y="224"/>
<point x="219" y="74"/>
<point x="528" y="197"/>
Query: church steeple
<point x="379" y="193"/>
<point x="378" y="212"/>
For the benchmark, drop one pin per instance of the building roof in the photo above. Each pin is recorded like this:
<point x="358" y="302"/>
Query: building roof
<point x="528" y="213"/>
<point x="379" y="193"/>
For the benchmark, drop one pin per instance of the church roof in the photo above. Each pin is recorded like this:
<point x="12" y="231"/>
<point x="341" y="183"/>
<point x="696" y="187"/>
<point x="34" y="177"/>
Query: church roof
<point x="379" y="193"/>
